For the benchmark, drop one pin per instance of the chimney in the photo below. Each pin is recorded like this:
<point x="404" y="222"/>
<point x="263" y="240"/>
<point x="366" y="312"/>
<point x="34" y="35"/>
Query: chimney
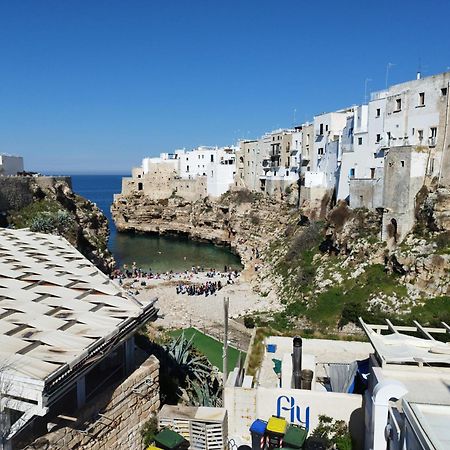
<point x="297" y="361"/>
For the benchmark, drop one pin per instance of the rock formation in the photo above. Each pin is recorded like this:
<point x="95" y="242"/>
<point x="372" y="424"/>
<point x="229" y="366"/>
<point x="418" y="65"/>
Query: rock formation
<point x="88" y="230"/>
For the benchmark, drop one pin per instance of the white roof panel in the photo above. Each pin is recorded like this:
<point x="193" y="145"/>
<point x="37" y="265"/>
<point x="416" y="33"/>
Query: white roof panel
<point x="55" y="306"/>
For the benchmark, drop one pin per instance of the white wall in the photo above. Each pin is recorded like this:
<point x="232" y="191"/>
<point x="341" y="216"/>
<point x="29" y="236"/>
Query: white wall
<point x="296" y="405"/>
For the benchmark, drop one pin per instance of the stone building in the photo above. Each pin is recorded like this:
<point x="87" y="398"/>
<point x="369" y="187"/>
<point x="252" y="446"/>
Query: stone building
<point x="10" y="165"/>
<point x="192" y="175"/>
<point x="66" y="347"/>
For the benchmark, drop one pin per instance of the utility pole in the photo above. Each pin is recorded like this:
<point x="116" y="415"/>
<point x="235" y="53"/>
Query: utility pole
<point x="226" y="304"/>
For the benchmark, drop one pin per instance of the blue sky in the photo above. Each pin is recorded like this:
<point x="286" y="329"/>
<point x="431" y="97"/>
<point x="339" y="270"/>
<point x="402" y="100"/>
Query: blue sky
<point x="94" y="86"/>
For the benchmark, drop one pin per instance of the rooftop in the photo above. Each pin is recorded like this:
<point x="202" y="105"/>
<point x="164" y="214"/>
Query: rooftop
<point x="399" y="347"/>
<point x="57" y="310"/>
<point x="316" y="352"/>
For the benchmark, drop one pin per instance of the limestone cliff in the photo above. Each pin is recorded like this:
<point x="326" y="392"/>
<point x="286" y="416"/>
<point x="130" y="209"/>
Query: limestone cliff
<point x="48" y="204"/>
<point x="318" y="273"/>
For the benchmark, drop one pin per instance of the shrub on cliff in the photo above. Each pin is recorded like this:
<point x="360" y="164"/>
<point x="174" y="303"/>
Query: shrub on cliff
<point x="45" y="216"/>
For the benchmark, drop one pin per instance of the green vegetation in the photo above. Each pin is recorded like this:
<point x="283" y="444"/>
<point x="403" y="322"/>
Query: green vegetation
<point x="185" y="374"/>
<point x="45" y="216"/>
<point x="335" y="433"/>
<point x="149" y="430"/>
<point x="257" y="350"/>
<point x="210" y="347"/>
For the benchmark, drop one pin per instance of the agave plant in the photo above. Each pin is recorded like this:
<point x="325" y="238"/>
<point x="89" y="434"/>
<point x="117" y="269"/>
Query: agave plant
<point x="206" y="394"/>
<point x="187" y="360"/>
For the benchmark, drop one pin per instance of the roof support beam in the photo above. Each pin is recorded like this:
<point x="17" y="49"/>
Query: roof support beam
<point x="423" y="331"/>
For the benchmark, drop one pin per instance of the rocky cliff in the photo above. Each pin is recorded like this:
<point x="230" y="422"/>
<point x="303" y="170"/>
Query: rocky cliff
<point x="321" y="271"/>
<point x="48" y="204"/>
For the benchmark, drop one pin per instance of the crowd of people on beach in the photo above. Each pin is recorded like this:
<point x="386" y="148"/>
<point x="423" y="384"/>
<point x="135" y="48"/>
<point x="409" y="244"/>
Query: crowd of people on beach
<point x="137" y="274"/>
<point x="208" y="288"/>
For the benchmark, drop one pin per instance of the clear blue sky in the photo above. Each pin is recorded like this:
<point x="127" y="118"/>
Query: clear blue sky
<point x="93" y="86"/>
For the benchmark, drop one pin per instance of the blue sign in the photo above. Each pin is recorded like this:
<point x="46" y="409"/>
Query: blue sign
<point x="285" y="403"/>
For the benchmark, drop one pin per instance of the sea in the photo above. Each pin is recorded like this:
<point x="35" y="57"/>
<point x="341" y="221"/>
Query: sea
<point x="149" y="251"/>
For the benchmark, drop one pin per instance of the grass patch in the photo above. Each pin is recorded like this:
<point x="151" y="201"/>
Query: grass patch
<point x="257" y="351"/>
<point x="210" y="347"/>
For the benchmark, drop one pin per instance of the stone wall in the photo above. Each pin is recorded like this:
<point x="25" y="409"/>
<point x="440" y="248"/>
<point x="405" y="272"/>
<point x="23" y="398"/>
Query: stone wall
<point x="122" y="417"/>
<point x="366" y="192"/>
<point x="17" y="192"/>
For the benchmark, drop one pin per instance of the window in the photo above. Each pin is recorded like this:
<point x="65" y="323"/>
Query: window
<point x="140" y="186"/>
<point x="398" y="105"/>
<point x="372" y="172"/>
<point x="389" y="135"/>
<point x="212" y="158"/>
<point x="421" y="99"/>
<point x="352" y="173"/>
<point x="402" y="163"/>
<point x="287" y="173"/>
<point x="212" y="173"/>
<point x="320" y="151"/>
<point x="444" y="91"/>
<point x="187" y="168"/>
<point x="378" y="113"/>
<point x="321" y="129"/>
<point x="374" y="155"/>
<point x="378" y="138"/>
<point x="420" y="135"/>
<point x="412" y="131"/>
<point x="248" y="163"/>
<point x="360" y="141"/>
<point x="326" y="127"/>
<point x="433" y="132"/>
<point x="198" y="156"/>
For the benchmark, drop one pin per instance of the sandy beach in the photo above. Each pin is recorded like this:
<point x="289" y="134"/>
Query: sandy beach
<point x="199" y="311"/>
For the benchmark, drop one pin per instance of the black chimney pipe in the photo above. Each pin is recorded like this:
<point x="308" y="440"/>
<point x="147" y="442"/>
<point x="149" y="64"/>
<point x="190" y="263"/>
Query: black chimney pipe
<point x="297" y="361"/>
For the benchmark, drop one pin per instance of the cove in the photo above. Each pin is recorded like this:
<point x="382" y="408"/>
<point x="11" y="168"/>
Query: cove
<point x="165" y="253"/>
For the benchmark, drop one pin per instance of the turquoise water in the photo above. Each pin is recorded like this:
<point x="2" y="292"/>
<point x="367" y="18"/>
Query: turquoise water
<point x="161" y="254"/>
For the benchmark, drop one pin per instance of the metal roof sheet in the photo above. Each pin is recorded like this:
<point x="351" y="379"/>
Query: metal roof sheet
<point x="55" y="306"/>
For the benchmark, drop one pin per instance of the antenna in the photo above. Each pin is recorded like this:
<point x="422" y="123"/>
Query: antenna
<point x="388" y="67"/>
<point x="366" y="82"/>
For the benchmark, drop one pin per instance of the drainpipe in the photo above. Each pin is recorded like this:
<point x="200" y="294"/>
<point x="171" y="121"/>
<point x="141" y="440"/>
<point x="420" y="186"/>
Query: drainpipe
<point x="297" y="362"/>
<point x="445" y="133"/>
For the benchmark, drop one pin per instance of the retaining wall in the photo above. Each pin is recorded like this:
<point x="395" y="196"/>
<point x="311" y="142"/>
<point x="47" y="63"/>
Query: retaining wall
<point x="130" y="405"/>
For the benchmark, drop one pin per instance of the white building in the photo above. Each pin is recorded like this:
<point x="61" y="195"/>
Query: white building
<point x="325" y="152"/>
<point x="10" y="165"/>
<point x="274" y="392"/>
